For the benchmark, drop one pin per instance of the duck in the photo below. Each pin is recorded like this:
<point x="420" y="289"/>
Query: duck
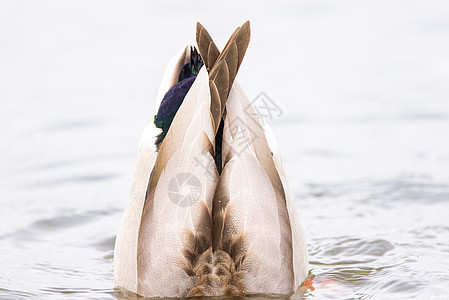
<point x="210" y="211"/>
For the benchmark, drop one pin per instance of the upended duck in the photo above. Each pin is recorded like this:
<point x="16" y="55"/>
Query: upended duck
<point x="210" y="212"/>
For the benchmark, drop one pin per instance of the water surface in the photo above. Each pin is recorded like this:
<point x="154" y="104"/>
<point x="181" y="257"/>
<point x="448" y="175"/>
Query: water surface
<point x="363" y="134"/>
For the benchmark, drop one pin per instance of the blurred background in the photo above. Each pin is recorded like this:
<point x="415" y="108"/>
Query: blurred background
<point x="364" y="91"/>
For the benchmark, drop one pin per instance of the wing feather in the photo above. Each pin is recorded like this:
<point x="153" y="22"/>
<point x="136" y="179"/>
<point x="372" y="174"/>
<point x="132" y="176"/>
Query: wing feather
<point x="186" y="151"/>
<point x="247" y="205"/>
<point x="300" y="257"/>
<point x="189" y="141"/>
<point x="171" y="73"/>
<point x="242" y="124"/>
<point x="125" y="252"/>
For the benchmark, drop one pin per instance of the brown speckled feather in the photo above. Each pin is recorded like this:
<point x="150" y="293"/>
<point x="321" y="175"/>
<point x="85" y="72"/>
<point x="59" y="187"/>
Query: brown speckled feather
<point x="214" y="271"/>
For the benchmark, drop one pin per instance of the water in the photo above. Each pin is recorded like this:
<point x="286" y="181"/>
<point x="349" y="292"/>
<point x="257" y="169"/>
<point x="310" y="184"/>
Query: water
<point x="363" y="134"/>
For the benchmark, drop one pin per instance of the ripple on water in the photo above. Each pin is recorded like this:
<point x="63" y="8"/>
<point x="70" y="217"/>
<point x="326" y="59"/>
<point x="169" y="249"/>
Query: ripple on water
<point x="344" y="265"/>
<point x="69" y="219"/>
<point x="349" y="251"/>
<point x="105" y="244"/>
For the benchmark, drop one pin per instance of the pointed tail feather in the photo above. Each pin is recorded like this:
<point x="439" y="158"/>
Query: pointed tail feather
<point x="208" y="50"/>
<point x="223" y="69"/>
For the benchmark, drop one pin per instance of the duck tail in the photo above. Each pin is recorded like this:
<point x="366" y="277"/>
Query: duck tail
<point x="215" y="274"/>
<point x="219" y="270"/>
<point x="222" y="67"/>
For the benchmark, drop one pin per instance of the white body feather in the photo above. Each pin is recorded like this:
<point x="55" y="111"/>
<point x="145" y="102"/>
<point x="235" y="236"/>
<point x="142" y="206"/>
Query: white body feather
<point x="268" y="230"/>
<point x="163" y="225"/>
<point x="253" y="183"/>
<point x="125" y="252"/>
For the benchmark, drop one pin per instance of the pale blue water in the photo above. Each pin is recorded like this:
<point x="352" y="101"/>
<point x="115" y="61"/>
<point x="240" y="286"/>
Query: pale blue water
<point x="364" y="93"/>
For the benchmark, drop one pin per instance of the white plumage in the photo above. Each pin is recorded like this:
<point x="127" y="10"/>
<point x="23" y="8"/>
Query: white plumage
<point x="240" y="233"/>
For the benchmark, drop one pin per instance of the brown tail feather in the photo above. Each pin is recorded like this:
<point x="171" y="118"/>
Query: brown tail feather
<point x="222" y="69"/>
<point x="208" y="50"/>
<point x="215" y="272"/>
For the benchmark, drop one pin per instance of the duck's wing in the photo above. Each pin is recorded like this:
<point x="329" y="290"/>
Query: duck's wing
<point x="171" y="73"/>
<point x="181" y="183"/>
<point x="299" y="243"/>
<point x="172" y="219"/>
<point x="125" y="253"/>
<point x="252" y="203"/>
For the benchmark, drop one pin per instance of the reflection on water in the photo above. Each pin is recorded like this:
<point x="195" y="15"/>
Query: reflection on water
<point x="363" y="136"/>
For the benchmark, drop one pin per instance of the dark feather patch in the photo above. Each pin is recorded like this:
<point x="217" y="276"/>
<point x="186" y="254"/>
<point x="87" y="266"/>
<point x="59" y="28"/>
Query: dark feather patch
<point x="215" y="271"/>
<point x="170" y="105"/>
